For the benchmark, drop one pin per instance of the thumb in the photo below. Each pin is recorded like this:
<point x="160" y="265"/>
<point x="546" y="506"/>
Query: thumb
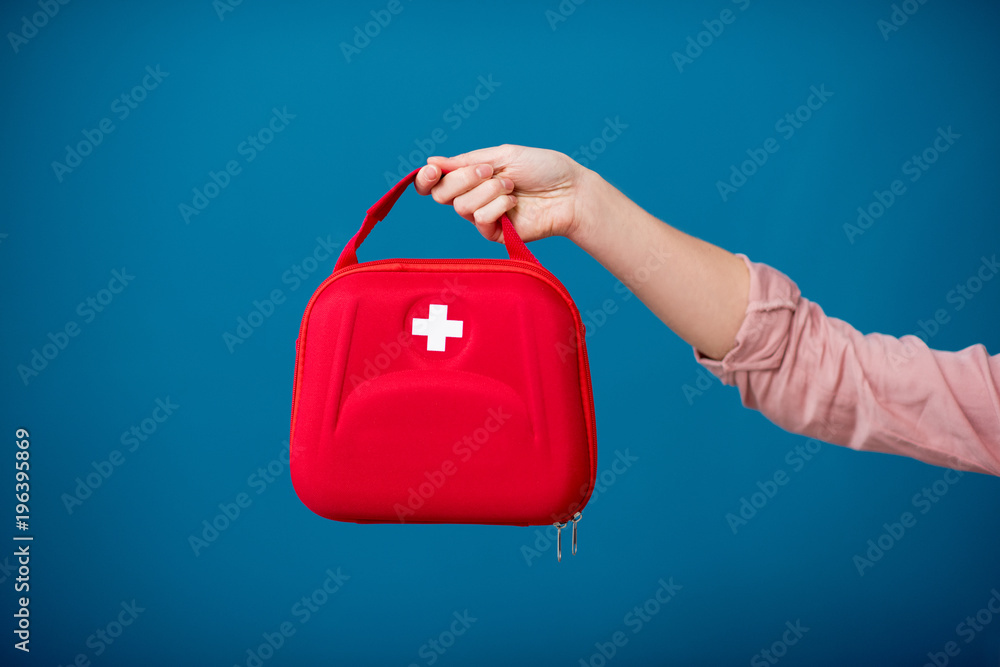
<point x="427" y="178"/>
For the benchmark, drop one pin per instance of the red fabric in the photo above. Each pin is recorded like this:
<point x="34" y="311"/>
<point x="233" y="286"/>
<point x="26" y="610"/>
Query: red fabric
<point x="497" y="428"/>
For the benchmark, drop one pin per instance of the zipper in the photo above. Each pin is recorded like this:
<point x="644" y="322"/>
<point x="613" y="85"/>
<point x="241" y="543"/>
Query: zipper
<point x="530" y="267"/>
<point x="559" y="526"/>
<point x="576" y="520"/>
<point x="295" y="391"/>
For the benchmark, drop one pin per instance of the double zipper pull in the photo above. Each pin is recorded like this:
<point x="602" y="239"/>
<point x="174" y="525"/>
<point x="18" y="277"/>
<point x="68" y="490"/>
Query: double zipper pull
<point x="559" y="527"/>
<point x="576" y="520"/>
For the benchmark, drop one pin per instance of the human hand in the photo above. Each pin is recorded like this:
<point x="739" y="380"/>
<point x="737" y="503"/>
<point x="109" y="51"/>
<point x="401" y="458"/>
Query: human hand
<point x="536" y="187"/>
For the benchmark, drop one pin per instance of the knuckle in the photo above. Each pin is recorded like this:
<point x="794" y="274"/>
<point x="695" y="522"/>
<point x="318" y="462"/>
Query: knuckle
<point x="470" y="176"/>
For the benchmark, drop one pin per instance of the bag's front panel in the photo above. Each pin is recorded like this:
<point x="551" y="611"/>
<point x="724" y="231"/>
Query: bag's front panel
<point x="441" y="396"/>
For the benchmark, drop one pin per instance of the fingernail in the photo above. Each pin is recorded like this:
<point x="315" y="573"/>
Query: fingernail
<point x="430" y="172"/>
<point x="507" y="184"/>
<point x="513" y="200"/>
<point x="484" y="171"/>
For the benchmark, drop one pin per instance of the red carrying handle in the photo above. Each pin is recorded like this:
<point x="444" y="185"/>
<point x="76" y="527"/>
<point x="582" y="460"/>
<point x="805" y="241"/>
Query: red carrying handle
<point x="511" y="239"/>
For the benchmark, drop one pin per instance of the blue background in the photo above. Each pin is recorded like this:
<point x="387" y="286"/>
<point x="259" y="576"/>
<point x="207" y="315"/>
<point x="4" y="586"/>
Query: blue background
<point x="697" y="455"/>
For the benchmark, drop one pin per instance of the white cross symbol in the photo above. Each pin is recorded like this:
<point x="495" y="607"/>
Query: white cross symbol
<point x="437" y="327"/>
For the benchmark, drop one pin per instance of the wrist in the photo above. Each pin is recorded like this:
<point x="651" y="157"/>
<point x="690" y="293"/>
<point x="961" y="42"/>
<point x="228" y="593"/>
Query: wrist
<point x="589" y="193"/>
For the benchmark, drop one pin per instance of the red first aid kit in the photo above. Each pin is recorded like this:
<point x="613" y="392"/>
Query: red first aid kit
<point x="443" y="391"/>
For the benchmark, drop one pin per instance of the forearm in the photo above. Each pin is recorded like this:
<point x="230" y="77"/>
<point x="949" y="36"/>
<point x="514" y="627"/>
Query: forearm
<point x="697" y="289"/>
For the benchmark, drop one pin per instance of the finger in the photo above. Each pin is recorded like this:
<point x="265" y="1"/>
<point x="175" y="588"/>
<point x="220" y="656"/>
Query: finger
<point x="498" y="156"/>
<point x="459" y="182"/>
<point x="481" y="195"/>
<point x="427" y="178"/>
<point x="487" y="218"/>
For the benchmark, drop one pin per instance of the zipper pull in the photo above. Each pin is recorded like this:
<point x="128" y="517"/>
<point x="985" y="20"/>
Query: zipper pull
<point x="559" y="526"/>
<point x="576" y="520"/>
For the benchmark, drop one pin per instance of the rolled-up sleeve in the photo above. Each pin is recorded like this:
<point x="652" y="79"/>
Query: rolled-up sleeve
<point x="817" y="376"/>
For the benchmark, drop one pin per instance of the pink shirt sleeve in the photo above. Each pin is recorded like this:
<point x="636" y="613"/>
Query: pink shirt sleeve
<point x="818" y="376"/>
